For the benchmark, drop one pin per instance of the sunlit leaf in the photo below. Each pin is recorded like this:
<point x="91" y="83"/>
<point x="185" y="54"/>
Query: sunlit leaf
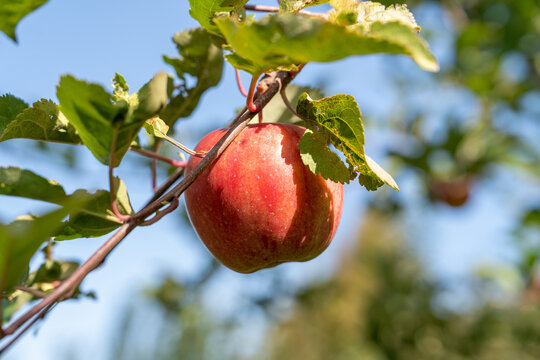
<point x="280" y="41"/>
<point x="43" y="122"/>
<point x="97" y="119"/>
<point x="297" y="5"/>
<point x="94" y="216"/>
<point x="10" y="107"/>
<point x="204" y="11"/>
<point x="320" y="159"/>
<point x="22" y="238"/>
<point x="337" y="121"/>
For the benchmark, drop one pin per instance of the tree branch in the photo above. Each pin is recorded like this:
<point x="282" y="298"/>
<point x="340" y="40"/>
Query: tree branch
<point x="272" y="86"/>
<point x="75" y="279"/>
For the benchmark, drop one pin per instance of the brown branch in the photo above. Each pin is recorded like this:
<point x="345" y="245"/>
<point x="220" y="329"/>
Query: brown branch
<point x="73" y="281"/>
<point x="162" y="213"/>
<point x="34" y="292"/>
<point x="28" y="326"/>
<point x="241" y="121"/>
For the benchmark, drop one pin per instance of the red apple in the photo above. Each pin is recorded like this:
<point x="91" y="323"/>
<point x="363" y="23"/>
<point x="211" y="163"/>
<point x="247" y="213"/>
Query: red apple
<point x="258" y="205"/>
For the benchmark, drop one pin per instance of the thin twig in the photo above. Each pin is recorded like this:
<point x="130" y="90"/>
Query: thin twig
<point x="166" y="185"/>
<point x="34" y="292"/>
<point x="286" y="101"/>
<point x="161" y="214"/>
<point x="153" y="155"/>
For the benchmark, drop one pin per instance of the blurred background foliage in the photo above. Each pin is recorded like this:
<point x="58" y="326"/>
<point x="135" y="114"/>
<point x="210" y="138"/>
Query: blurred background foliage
<point x="381" y="302"/>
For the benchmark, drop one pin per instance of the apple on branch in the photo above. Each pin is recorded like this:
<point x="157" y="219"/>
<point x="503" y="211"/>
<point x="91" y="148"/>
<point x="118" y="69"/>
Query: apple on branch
<point x="258" y="205"/>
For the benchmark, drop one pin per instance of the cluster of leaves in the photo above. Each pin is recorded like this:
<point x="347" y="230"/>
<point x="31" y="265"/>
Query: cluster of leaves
<point x="290" y="38"/>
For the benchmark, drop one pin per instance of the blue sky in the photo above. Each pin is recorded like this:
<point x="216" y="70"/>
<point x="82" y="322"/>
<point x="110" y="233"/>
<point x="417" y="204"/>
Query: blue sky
<point x="92" y="41"/>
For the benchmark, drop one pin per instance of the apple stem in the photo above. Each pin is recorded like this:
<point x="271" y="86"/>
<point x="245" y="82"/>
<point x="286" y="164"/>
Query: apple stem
<point x="239" y="83"/>
<point x="121" y="217"/>
<point x="251" y="93"/>
<point x="156" y="156"/>
<point x="260" y="114"/>
<point x="174" y="204"/>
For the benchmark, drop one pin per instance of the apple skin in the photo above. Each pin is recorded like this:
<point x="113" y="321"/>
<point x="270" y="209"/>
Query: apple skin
<point x="258" y="205"/>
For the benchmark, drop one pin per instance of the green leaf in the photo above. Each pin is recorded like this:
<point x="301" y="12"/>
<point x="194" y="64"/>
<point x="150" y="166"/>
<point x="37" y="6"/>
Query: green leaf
<point x="152" y="97"/>
<point x="12" y="11"/>
<point x="89" y="108"/>
<point x="377" y="173"/>
<point x="121" y="88"/>
<point x="321" y="160"/>
<point x="156" y="127"/>
<point x="336" y="120"/>
<point x="12" y="305"/>
<point x="199" y="59"/>
<point x="24" y="183"/>
<point x="22" y="238"/>
<point x="365" y="13"/>
<point x="43" y="122"/>
<point x="280" y="41"/>
<point x="94" y="217"/>
<point x="10" y="107"/>
<point x="92" y="112"/>
<point x="297" y="5"/>
<point x="204" y="11"/>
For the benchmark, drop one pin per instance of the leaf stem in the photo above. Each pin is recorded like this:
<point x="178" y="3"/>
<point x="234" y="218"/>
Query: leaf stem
<point x="156" y="156"/>
<point x="180" y="145"/>
<point x="239" y="83"/>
